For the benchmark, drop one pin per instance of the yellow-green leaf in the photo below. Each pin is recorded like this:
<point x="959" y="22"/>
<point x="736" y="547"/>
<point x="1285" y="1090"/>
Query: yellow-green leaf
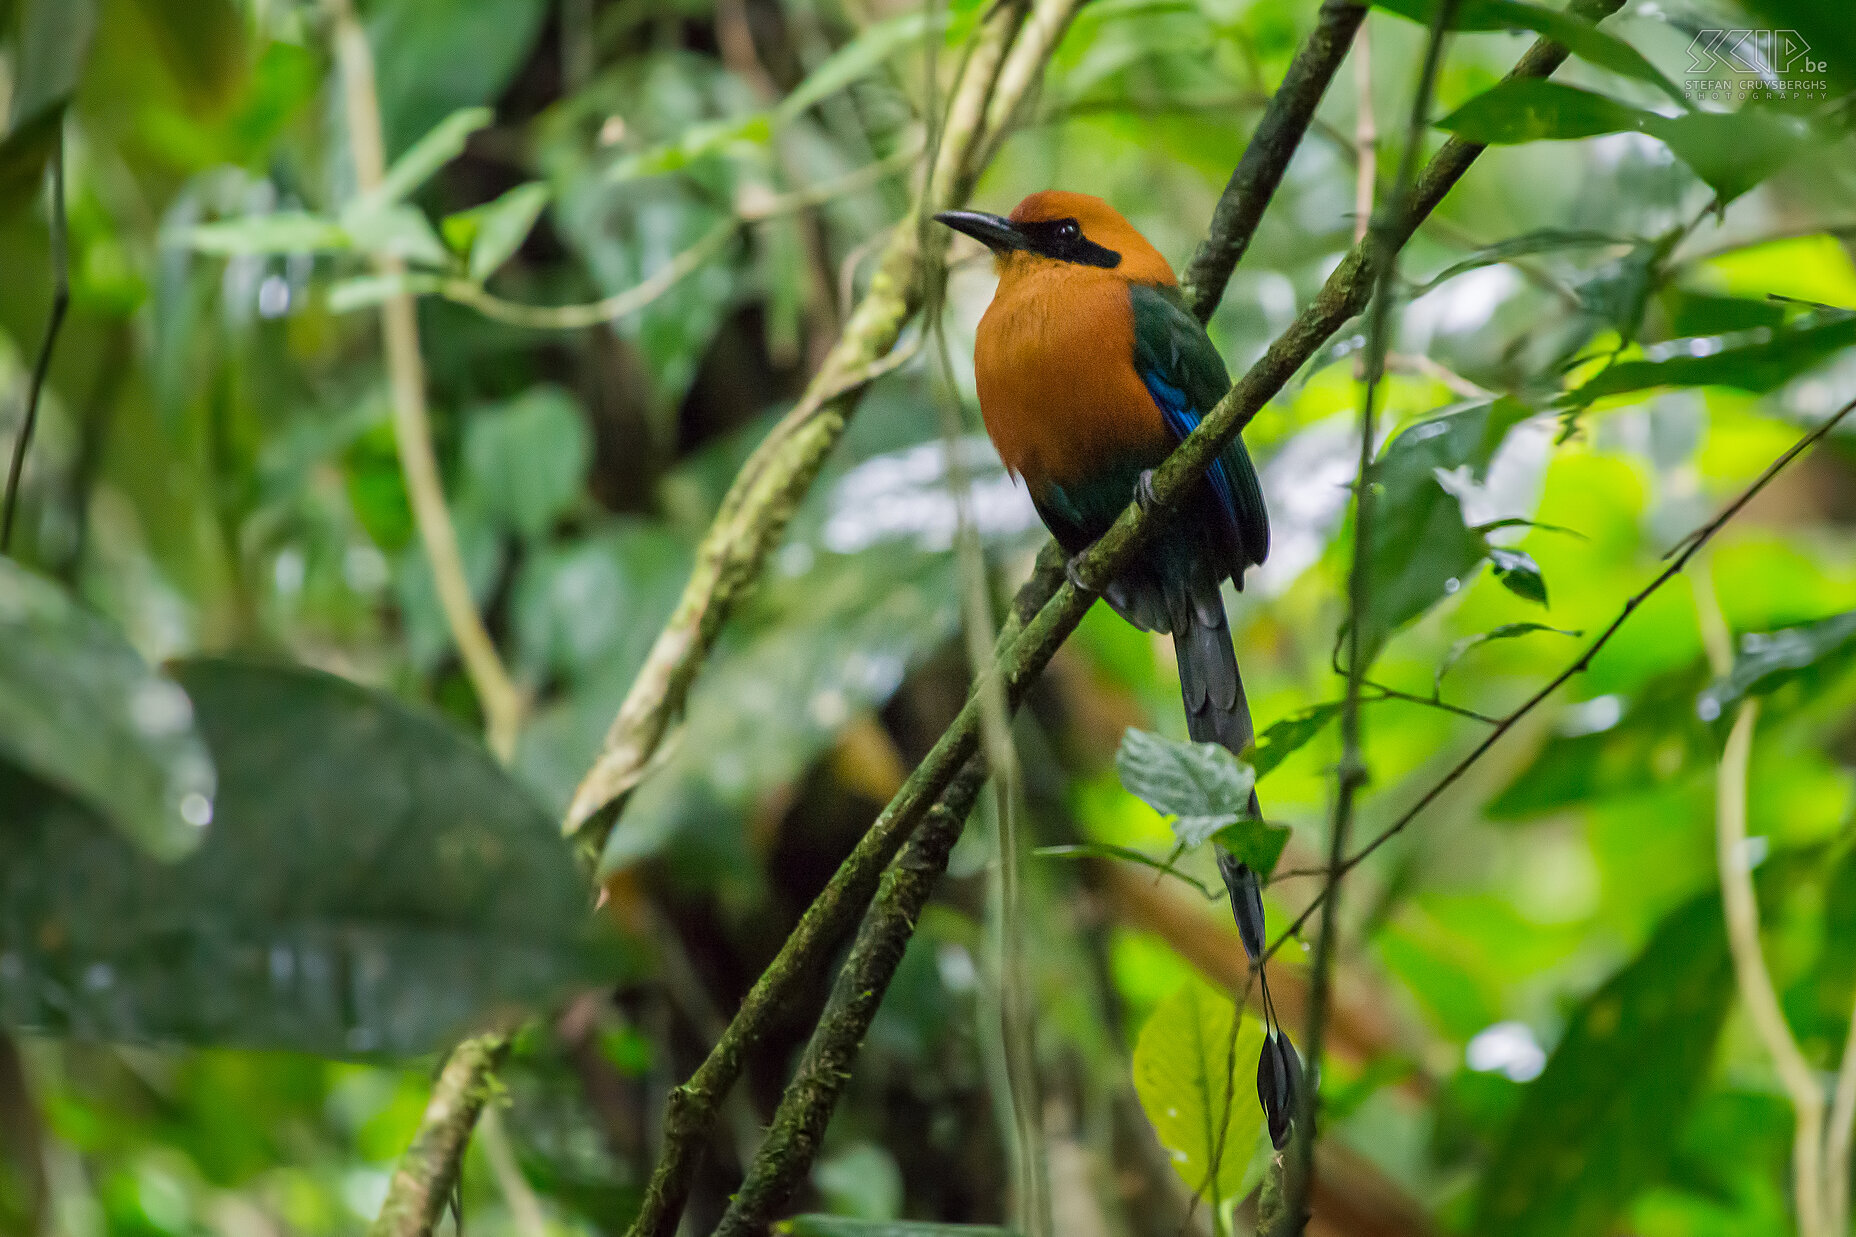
<point x="1197" y="1087"/>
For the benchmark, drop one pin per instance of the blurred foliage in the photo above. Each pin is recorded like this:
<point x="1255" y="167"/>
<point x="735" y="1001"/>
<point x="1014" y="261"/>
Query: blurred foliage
<point x="255" y="870"/>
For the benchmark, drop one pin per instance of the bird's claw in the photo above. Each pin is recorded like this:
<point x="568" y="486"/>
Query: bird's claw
<point x="1072" y="571"/>
<point x="1144" y="496"/>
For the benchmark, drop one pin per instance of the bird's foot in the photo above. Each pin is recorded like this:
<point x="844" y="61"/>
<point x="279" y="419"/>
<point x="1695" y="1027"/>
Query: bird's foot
<point x="1144" y="496"/>
<point x="1072" y="571"/>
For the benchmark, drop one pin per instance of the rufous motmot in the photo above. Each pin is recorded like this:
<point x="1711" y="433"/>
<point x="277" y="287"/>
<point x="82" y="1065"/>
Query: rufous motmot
<point x="1090" y="371"/>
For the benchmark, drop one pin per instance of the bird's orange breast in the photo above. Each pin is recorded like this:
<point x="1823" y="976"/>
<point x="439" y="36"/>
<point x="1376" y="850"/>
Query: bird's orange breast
<point x="1054" y="363"/>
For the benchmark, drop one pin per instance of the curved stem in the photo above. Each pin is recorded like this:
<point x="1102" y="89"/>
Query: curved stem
<point x="41" y="367"/>
<point x="502" y="702"/>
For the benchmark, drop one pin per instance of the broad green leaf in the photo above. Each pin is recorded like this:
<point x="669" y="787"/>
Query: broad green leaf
<point x="489" y="235"/>
<point x="1531" y="109"/>
<point x="1519" y="574"/>
<point x="434" y="57"/>
<point x="697" y="142"/>
<point x="526" y="460"/>
<point x="1201" y="786"/>
<point x="1619" y="747"/>
<point x="82" y="712"/>
<point x="1601" y="1121"/>
<point x="280" y="232"/>
<point x="1767" y="661"/>
<point x="1284" y="738"/>
<point x="23" y="156"/>
<point x="373" y="884"/>
<point x="1806" y="268"/>
<point x="1256" y="843"/>
<point x="1767" y="360"/>
<point x="1195" y="1075"/>
<point x="440" y="146"/>
<point x="54" y="40"/>
<point x="1731" y="151"/>
<point x="204" y="42"/>
<point x="844" y="1226"/>
<point x="1507" y="631"/>
<point x="1541" y="240"/>
<point x="1419" y="542"/>
<point x="1580" y="37"/>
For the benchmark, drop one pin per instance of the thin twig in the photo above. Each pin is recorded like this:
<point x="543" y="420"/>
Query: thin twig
<point x="1691" y="544"/>
<point x="497" y="694"/>
<point x="525" y="1211"/>
<point x="1384" y="238"/>
<point x="41" y="367"/>
<point x="1837" y="1140"/>
<point x="1365" y="133"/>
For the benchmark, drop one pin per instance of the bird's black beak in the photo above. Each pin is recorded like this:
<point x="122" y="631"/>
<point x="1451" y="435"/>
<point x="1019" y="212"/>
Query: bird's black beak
<point x="997" y="234"/>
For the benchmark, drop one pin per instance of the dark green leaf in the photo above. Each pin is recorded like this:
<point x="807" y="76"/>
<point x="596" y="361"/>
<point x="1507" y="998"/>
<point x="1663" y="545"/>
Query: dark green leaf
<point x="1577" y="35"/>
<point x="1256" y="843"/>
<point x="372" y="884"/>
<point x="54" y="40"/>
<point x="1530" y="109"/>
<point x="1542" y="240"/>
<point x="1519" y="574"/>
<point x="433" y="57"/>
<point x="1601" y="1121"/>
<point x="1201" y="786"/>
<point x="1507" y="631"/>
<point x="1420" y="547"/>
<point x="526" y="460"/>
<point x="1767" y="661"/>
<point x="82" y="712"/>
<point x="1767" y="360"/>
<point x="1284" y="738"/>
<point x="204" y="42"/>
<point x="23" y="156"/>
<point x="1621" y="747"/>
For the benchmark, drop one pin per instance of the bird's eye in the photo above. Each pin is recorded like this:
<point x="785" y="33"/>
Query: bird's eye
<point x="1068" y="230"/>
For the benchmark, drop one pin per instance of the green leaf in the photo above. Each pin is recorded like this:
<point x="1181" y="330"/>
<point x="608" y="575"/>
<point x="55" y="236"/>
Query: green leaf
<point x="1731" y="151"/>
<point x="1541" y="240"/>
<point x="844" y="1226"/>
<point x="1127" y="854"/>
<point x="696" y="142"/>
<point x="1201" y="786"/>
<point x="856" y="60"/>
<point x="373" y="884"/>
<point x="1519" y="574"/>
<point x="1284" y="738"/>
<point x="204" y="43"/>
<point x="1767" y="661"/>
<point x="1531" y="109"/>
<point x="1196" y="1083"/>
<point x="280" y="232"/>
<point x="434" y="57"/>
<point x="526" y="460"/>
<point x="1507" y="631"/>
<point x="23" y="156"/>
<point x="1419" y="542"/>
<point x="82" y="712"/>
<point x="444" y="143"/>
<point x="1601" y="1121"/>
<point x="1766" y="360"/>
<point x="1254" y="842"/>
<point x="54" y="40"/>
<point x="1582" y="38"/>
<point x="396" y="231"/>
<point x="367" y="291"/>
<point x="490" y="234"/>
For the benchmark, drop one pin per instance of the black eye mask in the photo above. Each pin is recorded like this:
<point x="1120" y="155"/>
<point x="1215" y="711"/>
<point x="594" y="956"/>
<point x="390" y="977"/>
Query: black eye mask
<point x="1063" y="240"/>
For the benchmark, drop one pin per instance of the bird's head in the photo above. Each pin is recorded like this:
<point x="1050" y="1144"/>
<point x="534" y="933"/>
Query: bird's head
<point x="1068" y="229"/>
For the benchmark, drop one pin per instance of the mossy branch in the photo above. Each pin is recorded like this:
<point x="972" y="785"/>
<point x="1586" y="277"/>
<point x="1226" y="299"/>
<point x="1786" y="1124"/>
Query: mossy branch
<point x="428" y="1172"/>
